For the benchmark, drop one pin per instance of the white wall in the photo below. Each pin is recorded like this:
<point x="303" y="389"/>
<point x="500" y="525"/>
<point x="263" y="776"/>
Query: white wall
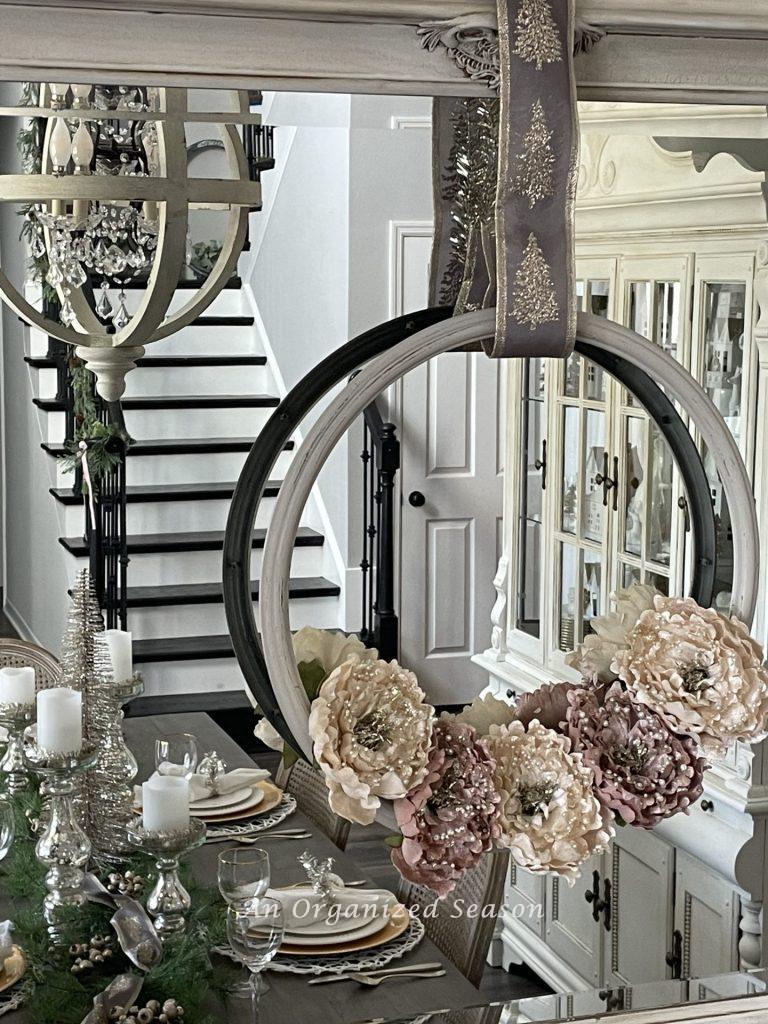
<point x="35" y="576"/>
<point x="320" y="259"/>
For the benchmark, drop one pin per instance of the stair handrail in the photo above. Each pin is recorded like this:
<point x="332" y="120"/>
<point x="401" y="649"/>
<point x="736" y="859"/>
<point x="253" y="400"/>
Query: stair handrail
<point x="381" y="463"/>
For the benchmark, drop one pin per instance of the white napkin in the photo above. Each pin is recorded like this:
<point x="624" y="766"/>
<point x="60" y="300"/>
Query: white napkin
<point x="6" y="942"/>
<point x="302" y="907"/>
<point x="199" y="787"/>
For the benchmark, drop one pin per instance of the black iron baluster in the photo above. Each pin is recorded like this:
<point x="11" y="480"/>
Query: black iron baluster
<point x="365" y="567"/>
<point x="386" y="627"/>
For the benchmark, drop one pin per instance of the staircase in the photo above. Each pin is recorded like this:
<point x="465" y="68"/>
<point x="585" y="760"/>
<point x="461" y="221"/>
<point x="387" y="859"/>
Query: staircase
<point x="193" y="406"/>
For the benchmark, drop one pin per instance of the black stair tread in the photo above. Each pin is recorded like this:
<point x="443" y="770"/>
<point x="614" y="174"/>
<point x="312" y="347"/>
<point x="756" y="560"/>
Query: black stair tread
<point x="168" y="492"/>
<point x="179" y="402"/>
<point x="187" y="284"/>
<point x="206" y="540"/>
<point x="46" y="363"/>
<point x="182" y="648"/>
<point x="180" y="446"/>
<point x="212" y="593"/>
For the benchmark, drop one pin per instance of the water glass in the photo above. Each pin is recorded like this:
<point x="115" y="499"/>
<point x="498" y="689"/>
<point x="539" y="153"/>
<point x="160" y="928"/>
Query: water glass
<point x="255" y="930"/>
<point x="243" y="874"/>
<point x="176" y="754"/>
<point x="7" y="826"/>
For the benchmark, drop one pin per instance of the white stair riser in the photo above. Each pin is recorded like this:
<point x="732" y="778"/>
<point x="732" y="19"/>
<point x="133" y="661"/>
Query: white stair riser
<point x="180" y="380"/>
<point x="212" y="675"/>
<point x="152" y="570"/>
<point x="199" y="380"/>
<point x="206" y="468"/>
<point x="210" y="620"/>
<point x="170" y="516"/>
<point x="226" y="339"/>
<point x="228" y="302"/>
<point x="229" y="422"/>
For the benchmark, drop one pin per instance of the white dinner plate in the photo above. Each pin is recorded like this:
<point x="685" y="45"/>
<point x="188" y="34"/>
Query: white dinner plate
<point x="371" y="926"/>
<point x="344" y="924"/>
<point x="253" y="799"/>
<point x="223" y="802"/>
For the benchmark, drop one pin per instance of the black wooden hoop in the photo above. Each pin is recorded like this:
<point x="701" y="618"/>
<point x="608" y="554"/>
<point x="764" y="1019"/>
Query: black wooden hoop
<point x="337" y="367"/>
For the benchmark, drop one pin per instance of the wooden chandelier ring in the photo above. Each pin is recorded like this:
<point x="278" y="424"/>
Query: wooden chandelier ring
<point x="387" y="368"/>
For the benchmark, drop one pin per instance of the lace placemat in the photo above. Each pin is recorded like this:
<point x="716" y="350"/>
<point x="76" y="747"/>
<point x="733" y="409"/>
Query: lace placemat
<point x="254" y="825"/>
<point x="364" y="960"/>
<point x="10" y="1001"/>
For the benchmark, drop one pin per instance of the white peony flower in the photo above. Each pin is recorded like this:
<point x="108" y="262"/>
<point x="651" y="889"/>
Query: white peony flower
<point x="484" y="712"/>
<point x="268" y="734"/>
<point x="330" y="649"/>
<point x="551" y="819"/>
<point x="372" y="732"/>
<point x="701" y="671"/>
<point x="611" y="632"/>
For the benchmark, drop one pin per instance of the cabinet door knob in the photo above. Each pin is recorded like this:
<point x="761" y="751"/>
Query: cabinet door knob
<point x="707" y="805"/>
<point x="416" y="499"/>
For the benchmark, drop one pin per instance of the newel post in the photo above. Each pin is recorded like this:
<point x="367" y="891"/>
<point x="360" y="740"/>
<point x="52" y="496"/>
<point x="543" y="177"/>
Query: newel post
<point x="761" y="439"/>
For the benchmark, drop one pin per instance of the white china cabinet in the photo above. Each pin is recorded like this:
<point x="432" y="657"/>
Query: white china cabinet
<point x="594" y="502"/>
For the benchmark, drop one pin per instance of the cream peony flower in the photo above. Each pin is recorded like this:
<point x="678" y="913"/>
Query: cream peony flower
<point x="330" y="649"/>
<point x="701" y="671"/>
<point x="484" y="712"/>
<point x="551" y="819"/>
<point x="372" y="733"/>
<point x="324" y="648"/>
<point x="611" y="633"/>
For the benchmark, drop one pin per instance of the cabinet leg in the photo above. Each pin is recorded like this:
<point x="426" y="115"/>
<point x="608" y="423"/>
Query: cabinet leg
<point x="751" y="941"/>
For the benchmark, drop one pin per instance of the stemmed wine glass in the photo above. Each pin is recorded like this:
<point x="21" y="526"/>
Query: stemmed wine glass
<point x="255" y="930"/>
<point x="243" y="874"/>
<point x="176" y="754"/>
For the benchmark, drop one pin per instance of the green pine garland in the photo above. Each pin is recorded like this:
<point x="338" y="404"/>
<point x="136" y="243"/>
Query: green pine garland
<point x="53" y="995"/>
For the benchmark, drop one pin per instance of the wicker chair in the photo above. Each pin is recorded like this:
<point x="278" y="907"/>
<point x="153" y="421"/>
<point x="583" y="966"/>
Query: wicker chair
<point x="308" y="786"/>
<point x="463" y="939"/>
<point x="17" y="653"/>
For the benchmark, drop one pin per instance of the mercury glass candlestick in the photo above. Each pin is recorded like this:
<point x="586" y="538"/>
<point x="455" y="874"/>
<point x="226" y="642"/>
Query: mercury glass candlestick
<point x="15" y="718"/>
<point x="63" y="848"/>
<point x="169" y="902"/>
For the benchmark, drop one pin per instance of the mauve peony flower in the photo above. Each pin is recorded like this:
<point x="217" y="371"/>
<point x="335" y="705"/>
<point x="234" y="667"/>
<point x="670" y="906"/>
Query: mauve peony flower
<point x="451" y="819"/>
<point x="611" y="633"/>
<point x="699" y="670"/>
<point x="372" y="733"/>
<point x="643" y="771"/>
<point x="551" y="819"/>
<point x="548" y="705"/>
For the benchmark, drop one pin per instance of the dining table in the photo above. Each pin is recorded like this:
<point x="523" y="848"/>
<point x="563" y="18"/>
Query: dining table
<point x="290" y="997"/>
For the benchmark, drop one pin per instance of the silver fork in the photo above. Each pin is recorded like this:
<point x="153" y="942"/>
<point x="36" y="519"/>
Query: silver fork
<point x="418" y="970"/>
<point x="371" y="982"/>
<point x="255" y="840"/>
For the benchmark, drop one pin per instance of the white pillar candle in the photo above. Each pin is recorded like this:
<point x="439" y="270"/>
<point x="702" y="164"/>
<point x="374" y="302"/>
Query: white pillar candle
<point x="60" y="720"/>
<point x="120" y="647"/>
<point x="165" y="803"/>
<point x="17" y="685"/>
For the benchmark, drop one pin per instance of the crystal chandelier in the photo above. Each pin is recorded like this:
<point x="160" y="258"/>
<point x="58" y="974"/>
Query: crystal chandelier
<point x="110" y="204"/>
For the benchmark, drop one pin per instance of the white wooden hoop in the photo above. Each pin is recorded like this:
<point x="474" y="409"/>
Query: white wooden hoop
<point x="387" y="368"/>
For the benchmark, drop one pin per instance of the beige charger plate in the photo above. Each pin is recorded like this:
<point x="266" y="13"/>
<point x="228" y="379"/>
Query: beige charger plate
<point x="13" y="970"/>
<point x="399" y="919"/>
<point x="271" y="799"/>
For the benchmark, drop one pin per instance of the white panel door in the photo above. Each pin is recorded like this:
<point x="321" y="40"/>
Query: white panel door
<point x="574" y="920"/>
<point x="451" y="487"/>
<point x="706" y="916"/>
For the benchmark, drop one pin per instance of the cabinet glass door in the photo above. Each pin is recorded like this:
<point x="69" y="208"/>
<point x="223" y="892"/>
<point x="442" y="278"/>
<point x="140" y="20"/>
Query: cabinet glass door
<point x="533" y="470"/>
<point x="722" y="363"/>
<point x="583" y="482"/>
<point x="650" y="521"/>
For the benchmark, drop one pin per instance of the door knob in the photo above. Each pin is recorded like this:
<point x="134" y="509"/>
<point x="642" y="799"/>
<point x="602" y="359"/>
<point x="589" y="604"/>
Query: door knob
<point x="416" y="498"/>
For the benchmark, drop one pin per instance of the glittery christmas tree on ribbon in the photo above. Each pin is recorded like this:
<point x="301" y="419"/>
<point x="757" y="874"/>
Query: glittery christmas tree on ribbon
<point x="534" y="177"/>
<point x="534" y="301"/>
<point x="537" y="39"/>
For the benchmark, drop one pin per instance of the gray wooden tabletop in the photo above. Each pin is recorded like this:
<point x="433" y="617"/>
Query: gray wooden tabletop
<point x="290" y="999"/>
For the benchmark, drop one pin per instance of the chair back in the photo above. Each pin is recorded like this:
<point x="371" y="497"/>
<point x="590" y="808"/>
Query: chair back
<point x="17" y="653"/>
<point x="308" y="786"/>
<point x="465" y="939"/>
